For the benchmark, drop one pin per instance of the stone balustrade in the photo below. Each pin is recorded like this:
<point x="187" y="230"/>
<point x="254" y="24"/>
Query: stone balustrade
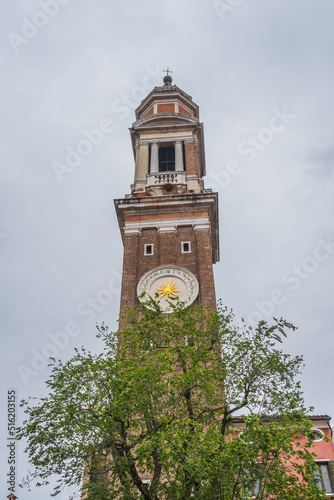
<point x="160" y="178"/>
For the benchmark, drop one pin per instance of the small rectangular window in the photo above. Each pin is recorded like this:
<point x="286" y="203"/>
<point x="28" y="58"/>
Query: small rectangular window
<point x="185" y="247"/>
<point x="149" y="249"/>
<point x="324" y="481"/>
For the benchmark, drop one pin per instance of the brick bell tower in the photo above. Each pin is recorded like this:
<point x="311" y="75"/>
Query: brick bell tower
<point x="169" y="222"/>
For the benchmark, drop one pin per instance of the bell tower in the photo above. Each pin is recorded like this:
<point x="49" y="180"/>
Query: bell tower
<point x="169" y="222"/>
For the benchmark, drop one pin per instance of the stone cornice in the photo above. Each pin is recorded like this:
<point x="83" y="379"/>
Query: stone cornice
<point x="135" y="214"/>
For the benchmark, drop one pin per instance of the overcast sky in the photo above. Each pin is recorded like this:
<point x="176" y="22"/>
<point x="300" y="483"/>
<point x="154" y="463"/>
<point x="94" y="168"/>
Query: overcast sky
<point x="262" y="74"/>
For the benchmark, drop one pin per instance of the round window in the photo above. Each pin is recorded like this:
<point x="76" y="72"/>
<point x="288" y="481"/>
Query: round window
<point x="318" y="435"/>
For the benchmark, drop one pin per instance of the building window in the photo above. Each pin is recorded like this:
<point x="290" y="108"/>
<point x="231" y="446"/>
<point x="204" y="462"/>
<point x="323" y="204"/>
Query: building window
<point x="166" y="159"/>
<point x="324" y="482"/>
<point x="318" y="435"/>
<point x="256" y="489"/>
<point x="147" y="483"/>
<point x="149" y="249"/>
<point x="186" y="247"/>
<point x="253" y="490"/>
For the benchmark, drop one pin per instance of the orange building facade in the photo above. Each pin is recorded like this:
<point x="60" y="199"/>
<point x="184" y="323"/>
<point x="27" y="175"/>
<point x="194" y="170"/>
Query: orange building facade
<point x="322" y="447"/>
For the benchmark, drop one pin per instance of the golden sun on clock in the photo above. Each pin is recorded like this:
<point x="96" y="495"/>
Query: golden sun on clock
<point x="169" y="290"/>
<point x="168" y="282"/>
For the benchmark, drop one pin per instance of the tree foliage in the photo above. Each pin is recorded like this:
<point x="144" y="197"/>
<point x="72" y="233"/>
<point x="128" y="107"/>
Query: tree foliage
<point x="159" y="404"/>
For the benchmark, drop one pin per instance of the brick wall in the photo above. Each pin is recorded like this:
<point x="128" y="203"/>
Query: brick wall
<point x="192" y="158"/>
<point x="166" y="108"/>
<point x="167" y="251"/>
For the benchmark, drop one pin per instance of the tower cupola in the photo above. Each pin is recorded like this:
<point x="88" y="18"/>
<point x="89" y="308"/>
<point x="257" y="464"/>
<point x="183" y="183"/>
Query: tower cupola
<point x="168" y="143"/>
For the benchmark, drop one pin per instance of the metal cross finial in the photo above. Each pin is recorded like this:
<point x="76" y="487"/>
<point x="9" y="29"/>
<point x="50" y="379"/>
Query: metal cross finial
<point x="167" y="71"/>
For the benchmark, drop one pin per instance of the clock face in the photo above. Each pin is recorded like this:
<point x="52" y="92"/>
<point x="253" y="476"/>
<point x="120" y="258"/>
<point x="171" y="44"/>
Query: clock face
<point x="168" y="282"/>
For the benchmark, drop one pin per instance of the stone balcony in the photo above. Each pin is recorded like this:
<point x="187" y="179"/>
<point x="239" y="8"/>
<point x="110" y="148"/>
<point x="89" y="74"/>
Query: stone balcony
<point x="163" y="178"/>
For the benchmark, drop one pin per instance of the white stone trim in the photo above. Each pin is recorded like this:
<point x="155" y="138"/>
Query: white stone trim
<point x="182" y="246"/>
<point x="178" y="145"/>
<point x="178" y="203"/>
<point x="167" y="225"/>
<point x="145" y="249"/>
<point x="154" y="164"/>
<point x="139" y="182"/>
<point x="316" y="429"/>
<point x="134" y="230"/>
<point x="167" y="101"/>
<point x="170" y="139"/>
<point x="201" y="226"/>
<point x="167" y="229"/>
<point x="169" y="177"/>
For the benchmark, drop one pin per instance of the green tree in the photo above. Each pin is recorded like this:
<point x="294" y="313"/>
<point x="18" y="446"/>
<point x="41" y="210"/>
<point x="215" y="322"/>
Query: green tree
<point x="159" y="404"/>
